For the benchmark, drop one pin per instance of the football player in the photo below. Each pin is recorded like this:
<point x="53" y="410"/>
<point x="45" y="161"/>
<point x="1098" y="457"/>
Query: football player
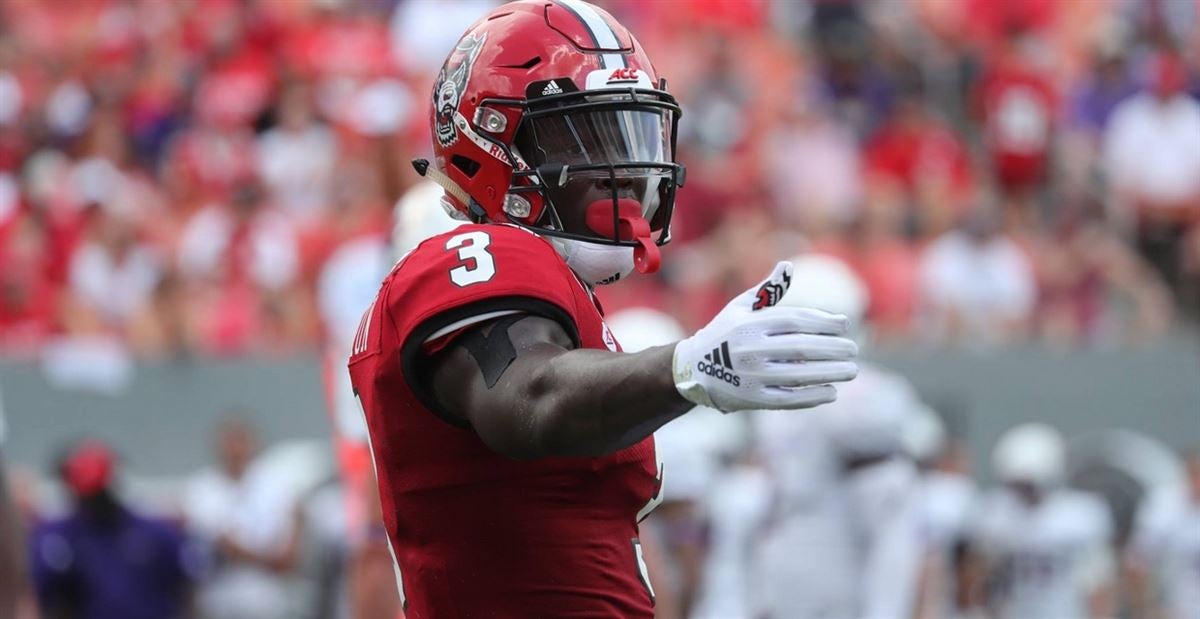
<point x="842" y="537"/>
<point x="944" y="496"/>
<point x="1045" y="548"/>
<point x="1165" y="549"/>
<point x="511" y="438"/>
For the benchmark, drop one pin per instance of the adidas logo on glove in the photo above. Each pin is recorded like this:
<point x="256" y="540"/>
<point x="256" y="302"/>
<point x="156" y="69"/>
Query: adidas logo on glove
<point x="765" y="335"/>
<point x="718" y="364"/>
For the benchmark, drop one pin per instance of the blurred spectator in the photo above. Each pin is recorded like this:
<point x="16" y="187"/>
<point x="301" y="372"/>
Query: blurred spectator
<point x="27" y="286"/>
<point x="916" y="165"/>
<point x="296" y="158"/>
<point x="1090" y="105"/>
<point x="862" y="88"/>
<point x="812" y="167"/>
<point x="874" y="246"/>
<point x="103" y="559"/>
<point x="1110" y="83"/>
<point x="977" y="285"/>
<point x="1045" y="549"/>
<point x="1016" y="104"/>
<point x="1190" y="285"/>
<point x="252" y="526"/>
<point x="719" y="123"/>
<point x="421" y="32"/>
<point x="113" y="274"/>
<point x="205" y="161"/>
<point x="1152" y="155"/>
<point x="1165" y="549"/>
<point x="712" y="139"/>
<point x="1084" y="267"/>
<point x="243" y="260"/>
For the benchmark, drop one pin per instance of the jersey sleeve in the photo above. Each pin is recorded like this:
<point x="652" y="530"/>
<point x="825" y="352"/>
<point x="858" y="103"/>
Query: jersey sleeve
<point x="474" y="274"/>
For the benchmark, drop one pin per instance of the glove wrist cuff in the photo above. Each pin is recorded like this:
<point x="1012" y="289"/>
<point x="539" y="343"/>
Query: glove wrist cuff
<point x="683" y="373"/>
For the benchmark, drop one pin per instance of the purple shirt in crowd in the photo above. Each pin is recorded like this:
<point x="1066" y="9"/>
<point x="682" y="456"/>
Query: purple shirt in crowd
<point x="136" y="568"/>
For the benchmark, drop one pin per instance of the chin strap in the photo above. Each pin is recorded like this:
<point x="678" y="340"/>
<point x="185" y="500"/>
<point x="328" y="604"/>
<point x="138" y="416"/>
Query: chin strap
<point x="476" y="214"/>
<point x="627" y="224"/>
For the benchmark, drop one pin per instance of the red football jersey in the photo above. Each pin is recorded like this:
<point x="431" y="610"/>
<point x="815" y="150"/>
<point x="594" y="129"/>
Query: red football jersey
<point x="476" y="534"/>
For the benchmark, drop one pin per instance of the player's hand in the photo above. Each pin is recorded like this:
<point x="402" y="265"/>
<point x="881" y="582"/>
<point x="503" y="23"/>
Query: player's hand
<point x="757" y="355"/>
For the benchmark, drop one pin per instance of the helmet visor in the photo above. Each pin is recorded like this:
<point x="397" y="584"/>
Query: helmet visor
<point x="628" y="151"/>
<point x="601" y="137"/>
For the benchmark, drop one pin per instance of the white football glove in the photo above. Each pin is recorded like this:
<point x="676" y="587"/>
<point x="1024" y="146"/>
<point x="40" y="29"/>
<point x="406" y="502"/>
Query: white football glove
<point x="755" y="355"/>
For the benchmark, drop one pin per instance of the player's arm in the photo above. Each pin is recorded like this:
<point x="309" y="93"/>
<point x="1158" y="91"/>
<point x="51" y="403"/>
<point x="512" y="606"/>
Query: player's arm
<point x="523" y="387"/>
<point x="550" y="400"/>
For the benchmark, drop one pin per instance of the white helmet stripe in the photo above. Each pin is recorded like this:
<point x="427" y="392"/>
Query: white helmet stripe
<point x="601" y="31"/>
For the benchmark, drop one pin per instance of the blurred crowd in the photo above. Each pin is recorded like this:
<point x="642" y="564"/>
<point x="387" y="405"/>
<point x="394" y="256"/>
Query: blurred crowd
<point x="174" y="176"/>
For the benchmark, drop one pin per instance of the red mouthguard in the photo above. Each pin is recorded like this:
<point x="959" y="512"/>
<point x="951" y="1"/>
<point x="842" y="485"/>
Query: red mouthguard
<point x="627" y="225"/>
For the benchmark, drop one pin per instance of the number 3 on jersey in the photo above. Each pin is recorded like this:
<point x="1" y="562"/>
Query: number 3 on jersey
<point x="475" y="264"/>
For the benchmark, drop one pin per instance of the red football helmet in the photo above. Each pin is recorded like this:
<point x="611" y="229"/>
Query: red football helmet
<point x="542" y="97"/>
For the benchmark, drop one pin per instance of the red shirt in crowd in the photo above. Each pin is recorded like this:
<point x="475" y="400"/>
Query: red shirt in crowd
<point x="1017" y="107"/>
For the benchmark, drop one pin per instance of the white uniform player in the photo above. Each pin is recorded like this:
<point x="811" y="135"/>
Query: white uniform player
<point x="734" y="507"/>
<point x="842" y="539"/>
<point x="945" y="499"/>
<point x="1166" y="543"/>
<point x="1047" y="548"/>
<point x="697" y="491"/>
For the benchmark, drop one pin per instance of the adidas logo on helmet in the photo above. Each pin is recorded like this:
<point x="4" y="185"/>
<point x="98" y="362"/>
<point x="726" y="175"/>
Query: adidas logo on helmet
<point x="552" y="89"/>
<point x="719" y="364"/>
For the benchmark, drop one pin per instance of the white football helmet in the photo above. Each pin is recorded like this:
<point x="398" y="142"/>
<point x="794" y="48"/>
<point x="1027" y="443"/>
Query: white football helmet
<point x="924" y="434"/>
<point x="829" y="284"/>
<point x="1031" y="453"/>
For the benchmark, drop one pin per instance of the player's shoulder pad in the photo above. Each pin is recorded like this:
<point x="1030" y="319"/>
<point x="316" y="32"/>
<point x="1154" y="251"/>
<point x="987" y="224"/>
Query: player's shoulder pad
<point x="504" y="243"/>
<point x="475" y="263"/>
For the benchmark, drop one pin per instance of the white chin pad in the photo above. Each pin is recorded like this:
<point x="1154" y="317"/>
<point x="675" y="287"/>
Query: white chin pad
<point x="595" y="263"/>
